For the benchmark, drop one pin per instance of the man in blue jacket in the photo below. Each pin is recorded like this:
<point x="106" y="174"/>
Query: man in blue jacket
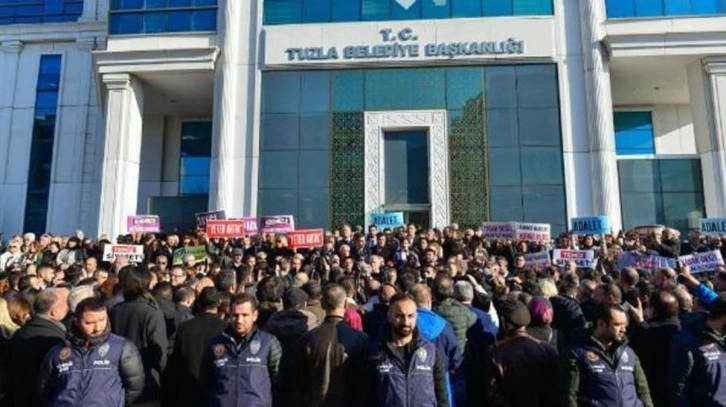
<point x="93" y="367"/>
<point x="434" y="328"/>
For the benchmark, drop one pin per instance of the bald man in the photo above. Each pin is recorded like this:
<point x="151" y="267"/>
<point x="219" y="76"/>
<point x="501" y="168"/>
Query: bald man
<point x="374" y="319"/>
<point x="328" y="350"/>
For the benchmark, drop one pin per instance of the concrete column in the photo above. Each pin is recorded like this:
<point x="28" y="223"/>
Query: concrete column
<point x="122" y="152"/>
<point x="227" y="160"/>
<point x="601" y="133"/>
<point x="707" y="87"/>
<point x="9" y="58"/>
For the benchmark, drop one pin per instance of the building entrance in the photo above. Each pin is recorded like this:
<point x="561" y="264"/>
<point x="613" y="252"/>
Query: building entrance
<point x="406" y="175"/>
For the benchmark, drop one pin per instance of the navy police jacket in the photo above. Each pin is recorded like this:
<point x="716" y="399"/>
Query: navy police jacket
<point x="606" y="381"/>
<point x="239" y="372"/>
<point x="698" y="367"/>
<point x="106" y="373"/>
<point x="401" y="384"/>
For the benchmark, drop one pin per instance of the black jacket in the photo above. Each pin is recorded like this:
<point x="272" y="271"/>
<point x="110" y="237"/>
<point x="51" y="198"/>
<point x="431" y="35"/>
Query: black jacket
<point x="652" y="343"/>
<point x="25" y="353"/>
<point x="141" y="321"/>
<point x="182" y="385"/>
<point x="568" y="316"/>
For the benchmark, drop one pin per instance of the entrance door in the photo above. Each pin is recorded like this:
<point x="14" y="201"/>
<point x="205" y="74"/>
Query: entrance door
<point x="406" y="175"/>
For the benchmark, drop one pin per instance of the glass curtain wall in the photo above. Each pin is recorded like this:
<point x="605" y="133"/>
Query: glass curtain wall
<point x="505" y="148"/>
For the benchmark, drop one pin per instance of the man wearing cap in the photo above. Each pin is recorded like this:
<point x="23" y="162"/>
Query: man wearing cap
<point x="289" y="326"/>
<point x="240" y="366"/>
<point x="604" y="371"/>
<point x="519" y="358"/>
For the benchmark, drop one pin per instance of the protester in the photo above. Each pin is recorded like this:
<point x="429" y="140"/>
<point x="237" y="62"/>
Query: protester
<point x="333" y="359"/>
<point x="112" y="373"/>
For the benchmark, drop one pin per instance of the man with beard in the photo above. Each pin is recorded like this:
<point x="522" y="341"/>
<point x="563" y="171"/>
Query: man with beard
<point x="240" y="366"/>
<point x="93" y="366"/>
<point x="407" y="370"/>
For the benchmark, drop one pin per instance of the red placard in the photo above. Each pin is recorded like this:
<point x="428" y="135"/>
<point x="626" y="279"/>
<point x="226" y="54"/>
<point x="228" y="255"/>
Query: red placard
<point x="301" y="239"/>
<point x="225" y="228"/>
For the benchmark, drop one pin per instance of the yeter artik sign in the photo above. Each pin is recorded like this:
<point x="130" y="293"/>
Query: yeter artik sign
<point x="403" y="44"/>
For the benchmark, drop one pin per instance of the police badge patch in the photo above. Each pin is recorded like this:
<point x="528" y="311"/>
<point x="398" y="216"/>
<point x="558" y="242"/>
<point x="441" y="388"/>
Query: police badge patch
<point x="65" y="353"/>
<point x="103" y="349"/>
<point x="218" y="350"/>
<point x="421" y="355"/>
<point x="591" y="356"/>
<point x="255" y="346"/>
<point x="625" y="358"/>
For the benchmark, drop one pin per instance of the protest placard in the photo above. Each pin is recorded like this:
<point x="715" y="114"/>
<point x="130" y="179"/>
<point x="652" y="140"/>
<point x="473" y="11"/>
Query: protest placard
<point x="143" y="224"/>
<point x="387" y="220"/>
<point x="713" y="226"/>
<point x="199" y="253"/>
<point x="301" y="239"/>
<point x="537" y="261"/>
<point x="532" y="232"/>
<point x="644" y="261"/>
<point x="700" y="262"/>
<point x="594" y="225"/>
<point x="203" y="217"/>
<point x="228" y="229"/>
<point x="135" y="253"/>
<point x="277" y="224"/>
<point x="250" y="225"/>
<point x="498" y="230"/>
<point x="583" y="258"/>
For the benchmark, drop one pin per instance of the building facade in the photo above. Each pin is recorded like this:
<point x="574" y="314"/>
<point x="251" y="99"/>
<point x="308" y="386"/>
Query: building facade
<point x="330" y="110"/>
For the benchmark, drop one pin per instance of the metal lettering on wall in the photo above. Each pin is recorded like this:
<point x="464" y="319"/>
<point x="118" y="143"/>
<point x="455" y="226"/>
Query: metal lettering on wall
<point x="403" y="44"/>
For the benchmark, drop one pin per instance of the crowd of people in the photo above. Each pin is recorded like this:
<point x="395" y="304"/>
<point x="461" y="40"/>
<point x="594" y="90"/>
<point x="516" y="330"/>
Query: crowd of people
<point x="406" y="317"/>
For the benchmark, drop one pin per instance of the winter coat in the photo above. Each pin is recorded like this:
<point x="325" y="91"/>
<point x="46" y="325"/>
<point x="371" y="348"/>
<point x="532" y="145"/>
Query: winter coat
<point x="25" y="353"/>
<point x="458" y="315"/>
<point x="141" y="321"/>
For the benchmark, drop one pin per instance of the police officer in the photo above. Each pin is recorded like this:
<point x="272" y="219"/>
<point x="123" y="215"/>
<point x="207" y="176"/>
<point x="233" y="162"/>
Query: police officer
<point x="407" y="370"/>
<point x="240" y="366"/>
<point x="93" y="367"/>
<point x="604" y="371"/>
<point x="698" y="360"/>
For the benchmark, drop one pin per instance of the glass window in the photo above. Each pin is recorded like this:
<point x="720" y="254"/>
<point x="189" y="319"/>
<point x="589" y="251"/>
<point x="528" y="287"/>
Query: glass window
<point x="649" y="8"/>
<point x="281" y="92"/>
<point x="279" y="169"/>
<point x="465" y="8"/>
<point x="315" y="131"/>
<point x="539" y="127"/>
<point x="541" y="166"/>
<point x="491" y="8"/>
<point x="505" y="204"/>
<point x="400" y="89"/>
<point x="501" y="87"/>
<point x="553" y="212"/>
<point x="532" y="7"/>
<point x="634" y="133"/>
<point x="376" y="10"/>
<point x="278" y="202"/>
<point x="313" y="209"/>
<point x="316" y="11"/>
<point x="346" y="10"/>
<point x="39" y="11"/>
<point x="348" y="91"/>
<point x="283" y="11"/>
<point x="157" y="16"/>
<point x="463" y="85"/>
<point x="315" y="92"/>
<point x="41" y="145"/>
<point x="620" y="8"/>
<point x="280" y="131"/>
<point x="314" y="169"/>
<point x="504" y="167"/>
<point x="503" y="125"/>
<point x="661" y="191"/>
<point x="413" y="12"/>
<point x="195" y="158"/>
<point x="535" y="87"/>
<point x="435" y="9"/>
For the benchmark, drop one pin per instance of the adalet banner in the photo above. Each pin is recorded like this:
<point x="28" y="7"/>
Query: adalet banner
<point x="595" y="225"/>
<point x="713" y="226"/>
